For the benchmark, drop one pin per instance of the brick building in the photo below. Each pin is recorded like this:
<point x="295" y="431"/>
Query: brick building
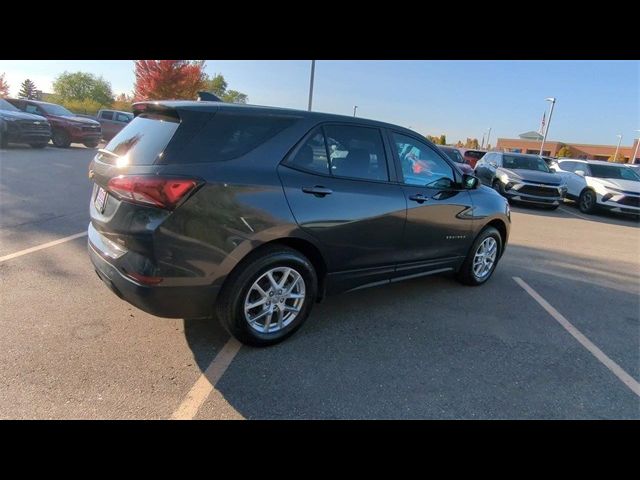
<point x="525" y="144"/>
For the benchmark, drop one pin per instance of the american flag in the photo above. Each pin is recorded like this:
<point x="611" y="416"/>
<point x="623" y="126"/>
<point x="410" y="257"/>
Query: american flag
<point x="542" y="125"/>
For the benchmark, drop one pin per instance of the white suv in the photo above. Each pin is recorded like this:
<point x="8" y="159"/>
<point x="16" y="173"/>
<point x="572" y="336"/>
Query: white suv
<point x="594" y="183"/>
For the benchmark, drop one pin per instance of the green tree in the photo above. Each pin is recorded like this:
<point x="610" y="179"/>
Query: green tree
<point x="472" y="143"/>
<point x="27" y="90"/>
<point x="218" y="86"/>
<point x="564" y="152"/>
<point x="618" y="159"/>
<point x="4" y="86"/>
<point x="443" y="139"/>
<point x="82" y="86"/>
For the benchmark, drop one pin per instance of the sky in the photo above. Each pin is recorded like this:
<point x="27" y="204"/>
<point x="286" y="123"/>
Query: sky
<point x="595" y="100"/>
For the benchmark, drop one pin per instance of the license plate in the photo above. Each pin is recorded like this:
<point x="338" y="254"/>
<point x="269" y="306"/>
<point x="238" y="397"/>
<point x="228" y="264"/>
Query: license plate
<point x="101" y="199"/>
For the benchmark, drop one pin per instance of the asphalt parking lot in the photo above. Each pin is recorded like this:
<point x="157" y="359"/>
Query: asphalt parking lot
<point x="427" y="348"/>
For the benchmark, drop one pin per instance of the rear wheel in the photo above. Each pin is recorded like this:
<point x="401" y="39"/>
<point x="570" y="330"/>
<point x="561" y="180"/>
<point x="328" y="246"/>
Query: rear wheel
<point x="268" y="297"/>
<point x="91" y="144"/>
<point x="587" y="201"/>
<point x="60" y="138"/>
<point x="482" y="258"/>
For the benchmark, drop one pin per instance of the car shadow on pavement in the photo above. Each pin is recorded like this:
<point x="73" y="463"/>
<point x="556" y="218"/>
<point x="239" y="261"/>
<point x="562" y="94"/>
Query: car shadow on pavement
<point x="432" y="348"/>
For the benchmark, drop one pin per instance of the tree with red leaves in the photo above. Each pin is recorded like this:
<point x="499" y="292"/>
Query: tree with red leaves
<point x="168" y="79"/>
<point x="4" y="86"/>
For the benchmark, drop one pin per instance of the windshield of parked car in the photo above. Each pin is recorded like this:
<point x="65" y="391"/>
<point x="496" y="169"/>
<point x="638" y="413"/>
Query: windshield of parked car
<point x="613" y="171"/>
<point x="525" y="163"/>
<point x="4" y="105"/>
<point x="52" y="109"/>
<point x="454" y="155"/>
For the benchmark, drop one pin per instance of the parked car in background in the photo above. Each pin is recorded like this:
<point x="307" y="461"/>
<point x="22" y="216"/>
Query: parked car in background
<point x="454" y="154"/>
<point x="522" y="178"/>
<point x="598" y="184"/>
<point x="249" y="212"/>
<point x="17" y="126"/>
<point x="472" y="156"/>
<point x="112" y="121"/>
<point x="66" y="127"/>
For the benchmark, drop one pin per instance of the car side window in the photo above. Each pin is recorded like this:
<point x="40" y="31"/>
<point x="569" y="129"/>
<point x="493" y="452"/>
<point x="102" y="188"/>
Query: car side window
<point x="122" y="118"/>
<point x="356" y="152"/>
<point x="31" y="109"/>
<point x="312" y="155"/>
<point x="568" y="166"/>
<point x="107" y="115"/>
<point x="421" y="165"/>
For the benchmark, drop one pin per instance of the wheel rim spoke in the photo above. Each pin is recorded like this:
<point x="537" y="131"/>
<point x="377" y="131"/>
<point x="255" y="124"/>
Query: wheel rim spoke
<point x="274" y="300"/>
<point x="484" y="258"/>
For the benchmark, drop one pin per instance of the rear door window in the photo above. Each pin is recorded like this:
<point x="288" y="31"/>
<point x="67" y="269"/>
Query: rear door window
<point x="356" y="152"/>
<point x="107" y="115"/>
<point x="312" y="155"/>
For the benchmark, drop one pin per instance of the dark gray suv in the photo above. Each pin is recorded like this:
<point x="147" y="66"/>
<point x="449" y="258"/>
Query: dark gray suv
<point x="254" y="213"/>
<point x="523" y="178"/>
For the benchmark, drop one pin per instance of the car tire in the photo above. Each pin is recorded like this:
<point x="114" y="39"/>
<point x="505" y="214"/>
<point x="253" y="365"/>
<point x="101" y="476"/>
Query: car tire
<point x="467" y="274"/>
<point x="240" y="290"/>
<point x="498" y="187"/>
<point x="91" y="144"/>
<point x="587" y="201"/>
<point x="38" y="145"/>
<point x="60" y="139"/>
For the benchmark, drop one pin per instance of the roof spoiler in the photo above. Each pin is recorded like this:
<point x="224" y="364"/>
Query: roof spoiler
<point x="208" y="97"/>
<point x="156" y="108"/>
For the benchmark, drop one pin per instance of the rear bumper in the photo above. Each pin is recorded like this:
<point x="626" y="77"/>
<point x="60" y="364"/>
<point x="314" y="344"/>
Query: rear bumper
<point x="162" y="301"/>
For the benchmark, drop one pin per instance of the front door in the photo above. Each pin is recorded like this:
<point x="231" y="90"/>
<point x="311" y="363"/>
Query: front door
<point x="438" y="231"/>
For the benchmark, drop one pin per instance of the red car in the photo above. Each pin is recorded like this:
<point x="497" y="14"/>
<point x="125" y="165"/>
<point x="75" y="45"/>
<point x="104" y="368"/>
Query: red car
<point x="66" y="127"/>
<point x="472" y="155"/>
<point x="454" y="154"/>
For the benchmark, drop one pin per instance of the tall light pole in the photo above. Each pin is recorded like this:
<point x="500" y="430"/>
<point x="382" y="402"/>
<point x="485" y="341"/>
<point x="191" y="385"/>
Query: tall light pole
<point x="488" y="136"/>
<point x="615" y="155"/>
<point x="635" y="154"/>
<point x="482" y="144"/>
<point x="313" y="69"/>
<point x="355" y="107"/>
<point x="546" y="130"/>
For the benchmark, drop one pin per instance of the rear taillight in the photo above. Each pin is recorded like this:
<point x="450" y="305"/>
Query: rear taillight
<point x="163" y="192"/>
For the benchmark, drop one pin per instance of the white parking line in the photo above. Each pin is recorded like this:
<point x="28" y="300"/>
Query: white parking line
<point x="40" y="247"/>
<point x="627" y="379"/>
<point x="575" y="214"/>
<point x="207" y="382"/>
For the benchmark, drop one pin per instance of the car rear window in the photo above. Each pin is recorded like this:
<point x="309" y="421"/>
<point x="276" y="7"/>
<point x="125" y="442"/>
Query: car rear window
<point x="141" y="142"/>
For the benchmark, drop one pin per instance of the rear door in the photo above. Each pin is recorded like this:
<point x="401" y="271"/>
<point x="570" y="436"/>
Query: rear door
<point x="439" y="221"/>
<point x="338" y="184"/>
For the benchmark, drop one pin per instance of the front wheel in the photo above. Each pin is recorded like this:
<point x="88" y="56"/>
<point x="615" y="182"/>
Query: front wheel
<point x="482" y="258"/>
<point x="91" y="144"/>
<point x="37" y="145"/>
<point x="587" y="201"/>
<point x="60" y="139"/>
<point x="268" y="297"/>
<point x="498" y="186"/>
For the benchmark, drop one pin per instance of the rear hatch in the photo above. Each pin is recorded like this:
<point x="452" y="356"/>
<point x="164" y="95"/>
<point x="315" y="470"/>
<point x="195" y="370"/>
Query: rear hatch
<point x="131" y="197"/>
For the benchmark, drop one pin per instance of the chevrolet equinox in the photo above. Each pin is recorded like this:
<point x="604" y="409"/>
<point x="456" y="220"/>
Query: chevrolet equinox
<point x="254" y="213"/>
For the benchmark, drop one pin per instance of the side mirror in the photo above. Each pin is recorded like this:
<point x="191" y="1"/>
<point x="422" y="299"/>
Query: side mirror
<point x="470" y="182"/>
<point x="580" y="172"/>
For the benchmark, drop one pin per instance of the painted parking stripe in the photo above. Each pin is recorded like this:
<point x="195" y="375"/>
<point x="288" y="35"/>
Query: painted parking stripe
<point x="575" y="214"/>
<point x="207" y="382"/>
<point x="43" y="246"/>
<point x="616" y="369"/>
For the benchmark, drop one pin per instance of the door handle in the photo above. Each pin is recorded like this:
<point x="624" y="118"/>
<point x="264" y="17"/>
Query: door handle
<point x="420" y="198"/>
<point x="317" y="190"/>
